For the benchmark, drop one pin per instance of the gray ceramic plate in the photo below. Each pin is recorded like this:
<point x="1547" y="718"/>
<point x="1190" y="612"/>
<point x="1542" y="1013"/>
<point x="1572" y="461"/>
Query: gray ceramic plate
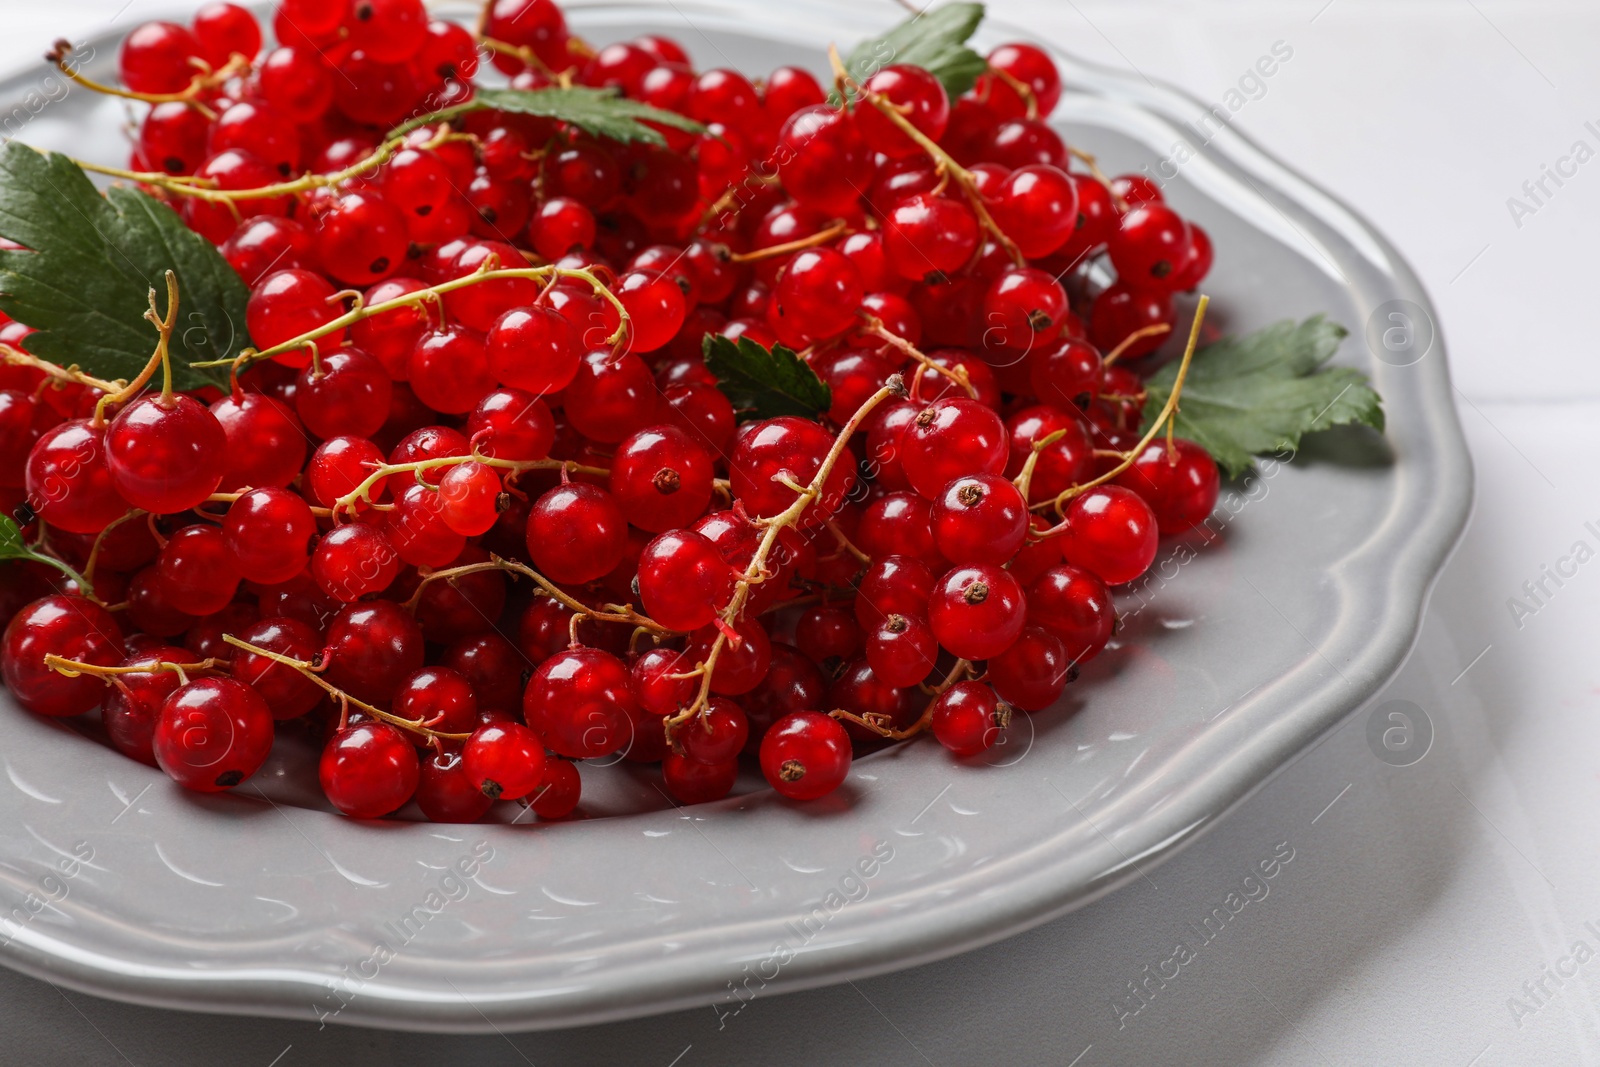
<point x="1236" y="658"/>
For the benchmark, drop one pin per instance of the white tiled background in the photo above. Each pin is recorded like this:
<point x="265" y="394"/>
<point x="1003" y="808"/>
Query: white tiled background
<point x="1421" y="900"/>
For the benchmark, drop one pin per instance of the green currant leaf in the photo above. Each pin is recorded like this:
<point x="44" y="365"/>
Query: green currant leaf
<point x="934" y="40"/>
<point x="764" y="384"/>
<point x="12" y="546"/>
<point x="83" y="282"/>
<point x="601" y="112"/>
<point x="1251" y="395"/>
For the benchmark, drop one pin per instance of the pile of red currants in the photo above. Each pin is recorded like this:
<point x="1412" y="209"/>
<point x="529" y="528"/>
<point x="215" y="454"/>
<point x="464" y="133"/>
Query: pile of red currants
<point x="475" y="507"/>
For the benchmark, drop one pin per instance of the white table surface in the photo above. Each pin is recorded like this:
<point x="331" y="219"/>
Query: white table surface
<point x="1424" y="903"/>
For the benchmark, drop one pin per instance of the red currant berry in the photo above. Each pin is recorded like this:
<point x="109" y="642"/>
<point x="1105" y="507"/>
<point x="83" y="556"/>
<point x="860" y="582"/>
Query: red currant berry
<point x="690" y="781"/>
<point x="287" y="692"/>
<point x="268" y="533"/>
<point x="1033" y="68"/>
<point x="288" y="303"/>
<point x="716" y="736"/>
<point x="445" y="793"/>
<point x="155" y="58"/>
<point x="371" y="647"/>
<point x="902" y="650"/>
<point x="468" y="495"/>
<point x="920" y="99"/>
<point x="683" y="580"/>
<point x="1111" y="532"/>
<point x="68" y="480"/>
<point x="805" y="755"/>
<point x="893" y="585"/>
<point x="929" y="237"/>
<point x="576" y="533"/>
<point x="1151" y="247"/>
<point x="968" y="719"/>
<point x="977" y="611"/>
<point x="951" y="438"/>
<point x="826" y="632"/>
<point x="1032" y="672"/>
<point x="824" y="163"/>
<point x="557" y="796"/>
<point x="368" y="770"/>
<point x="165" y="453"/>
<point x="67" y="626"/>
<point x="346" y="391"/>
<point x="212" y="734"/>
<point x="353" y="561"/>
<point x="1075" y="605"/>
<point x="581" y="700"/>
<point x="1180" y="484"/>
<point x="339" y="466"/>
<point x="1121" y="310"/>
<point x="196" y="571"/>
<point x="661" y="478"/>
<point x="449" y="369"/>
<point x="512" y="424"/>
<point x="816" y="298"/>
<point x="793" y="449"/>
<point x="609" y="394"/>
<point x="979" y="519"/>
<point x="296" y="83"/>
<point x="133" y="705"/>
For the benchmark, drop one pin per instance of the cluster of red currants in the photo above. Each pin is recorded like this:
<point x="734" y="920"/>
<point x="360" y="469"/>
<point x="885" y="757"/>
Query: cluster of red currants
<point x="330" y="544"/>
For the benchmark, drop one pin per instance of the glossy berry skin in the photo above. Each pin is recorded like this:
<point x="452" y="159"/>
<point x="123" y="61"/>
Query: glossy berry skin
<point x="1064" y="372"/>
<point x="899" y="523"/>
<point x="576" y="533"/>
<point x="445" y="793"/>
<point x="817" y="296"/>
<point x="742" y="663"/>
<point x="655" y="307"/>
<point x="902" y="650"/>
<point x="659" y="693"/>
<point x="1029" y="65"/>
<point x="609" y="394"/>
<point x="449" y="369"/>
<point x="288" y="303"/>
<point x="338" y="466"/>
<point x="929" y="237"/>
<point x="1075" y="605"/>
<point x="1180" y="484"/>
<point x="212" y="734"/>
<point x="438" y="698"/>
<point x="690" y="781"/>
<point x="173" y="139"/>
<point x="368" y="769"/>
<point x="534" y="349"/>
<point x="805" y="755"/>
<point x="155" y="58"/>
<point x="266" y="446"/>
<point x="822" y="159"/>
<point x="557" y="796"/>
<point x="581" y="700"/>
<point x="792" y="446"/>
<point x="68" y="626"/>
<point x="195" y="570"/>
<point x="1031" y="673"/>
<point x="1197" y="264"/>
<point x="559" y="226"/>
<point x="968" y="719"/>
<point x="268" y="533"/>
<point x="467" y="498"/>
<point x="828" y="631"/>
<point x="1150" y="247"/>
<point x="979" y="519"/>
<point x="354" y="560"/>
<point x="288" y="693"/>
<point x="917" y="95"/>
<point x="296" y="83"/>
<point x="661" y="478"/>
<point x="683" y="580"/>
<point x="165" y="454"/>
<point x="371" y="647"/>
<point x="1023" y="309"/>
<point x="950" y="438"/>
<point x="716" y="737"/>
<point x="1111" y="532"/>
<point x="133" y="706"/>
<point x="893" y="585"/>
<point x="1064" y="462"/>
<point x="512" y="424"/>
<point x="68" y="481"/>
<point x="1120" y="310"/>
<point x="345" y="391"/>
<point x="977" y="611"/>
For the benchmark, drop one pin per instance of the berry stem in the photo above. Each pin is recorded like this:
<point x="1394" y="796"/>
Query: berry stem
<point x="363" y="492"/>
<point x="837" y="228"/>
<point x="160" y="358"/>
<point x="757" y="571"/>
<point x="1129" y="341"/>
<point x="71" y="668"/>
<point x="1021" y="88"/>
<point x="346" y="701"/>
<point x="203" y="80"/>
<point x="99" y="539"/>
<point x="487" y="272"/>
<point x="943" y="161"/>
<point x="1088" y="159"/>
<point x="63" y="375"/>
<point x="621" y="613"/>
<point x="206" y="189"/>
<point x="1024" y="478"/>
<point x="958" y="375"/>
<point x="1162" y="420"/>
<point x="877" y="724"/>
